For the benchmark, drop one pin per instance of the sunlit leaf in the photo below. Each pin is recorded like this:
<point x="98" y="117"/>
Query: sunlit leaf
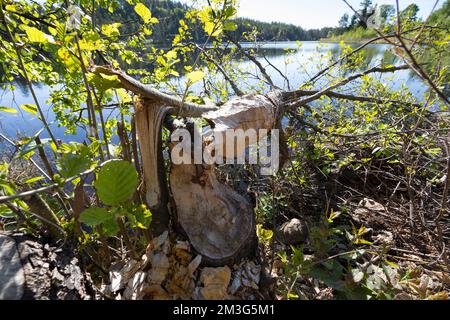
<point x="8" y="110"/>
<point x="33" y="180"/>
<point x="230" y="26"/>
<point x="264" y="235"/>
<point x="6" y="212"/>
<point x="195" y="76"/>
<point x="103" y="82"/>
<point x="72" y="164"/>
<point x="111" y="30"/>
<point x="36" y="35"/>
<point x="31" y="108"/>
<point x="143" y="12"/>
<point x="116" y="182"/>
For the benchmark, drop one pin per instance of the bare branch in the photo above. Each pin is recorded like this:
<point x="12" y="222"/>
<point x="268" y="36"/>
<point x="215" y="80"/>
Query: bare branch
<point x="253" y="59"/>
<point x="133" y="85"/>
<point x="233" y="85"/>
<point x="332" y="94"/>
<point x="318" y="94"/>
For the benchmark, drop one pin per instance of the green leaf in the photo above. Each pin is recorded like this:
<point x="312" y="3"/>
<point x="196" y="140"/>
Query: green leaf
<point x="91" y="41"/>
<point x="111" y="30"/>
<point x="143" y="217"/>
<point x="36" y="35"/>
<point x="5" y="212"/>
<point x="143" y="12"/>
<point x="33" y="180"/>
<point x="95" y="216"/>
<point x="116" y="182"/>
<point x="26" y="150"/>
<point x="31" y="108"/>
<point x="71" y="164"/>
<point x="8" y="110"/>
<point x="110" y="227"/>
<point x="291" y="295"/>
<point x="264" y="235"/>
<point x="103" y="82"/>
<point x="230" y="26"/>
<point x="195" y="76"/>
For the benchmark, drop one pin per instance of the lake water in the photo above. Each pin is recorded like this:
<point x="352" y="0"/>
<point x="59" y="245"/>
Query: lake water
<point x="298" y="65"/>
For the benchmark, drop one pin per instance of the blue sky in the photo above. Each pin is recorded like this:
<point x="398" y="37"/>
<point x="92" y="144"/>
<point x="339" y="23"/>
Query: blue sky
<point x="311" y="13"/>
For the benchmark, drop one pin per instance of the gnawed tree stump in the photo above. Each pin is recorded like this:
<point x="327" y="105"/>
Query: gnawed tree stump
<point x="32" y="270"/>
<point x="218" y="221"/>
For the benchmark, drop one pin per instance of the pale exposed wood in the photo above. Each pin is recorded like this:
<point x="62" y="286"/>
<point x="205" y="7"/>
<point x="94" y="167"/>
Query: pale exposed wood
<point x="149" y="116"/>
<point x="252" y="111"/>
<point x="218" y="221"/>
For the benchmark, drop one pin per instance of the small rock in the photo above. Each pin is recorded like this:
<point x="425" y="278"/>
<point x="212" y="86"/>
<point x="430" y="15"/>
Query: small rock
<point x="155" y="292"/>
<point x="371" y="205"/>
<point x="292" y="232"/>
<point x="366" y="207"/>
<point x="385" y="238"/>
<point x="157" y="242"/>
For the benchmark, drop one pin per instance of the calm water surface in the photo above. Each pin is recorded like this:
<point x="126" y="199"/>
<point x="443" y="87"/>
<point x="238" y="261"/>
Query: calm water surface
<point x="297" y="63"/>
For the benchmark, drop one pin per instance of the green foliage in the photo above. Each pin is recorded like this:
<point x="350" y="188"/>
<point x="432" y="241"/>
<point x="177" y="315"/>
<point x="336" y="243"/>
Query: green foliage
<point x="31" y="108"/>
<point x="442" y="15"/>
<point x="264" y="235"/>
<point x="8" y="110"/>
<point x="143" y="12"/>
<point x="355" y="35"/>
<point x="195" y="76"/>
<point x="75" y="158"/>
<point x="116" y="182"/>
<point x="95" y="216"/>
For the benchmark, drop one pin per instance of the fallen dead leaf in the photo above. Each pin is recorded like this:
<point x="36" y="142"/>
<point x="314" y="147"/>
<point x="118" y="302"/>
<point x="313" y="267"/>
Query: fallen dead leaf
<point x="215" y="282"/>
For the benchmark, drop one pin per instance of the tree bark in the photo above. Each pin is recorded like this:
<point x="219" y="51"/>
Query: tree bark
<point x="33" y="270"/>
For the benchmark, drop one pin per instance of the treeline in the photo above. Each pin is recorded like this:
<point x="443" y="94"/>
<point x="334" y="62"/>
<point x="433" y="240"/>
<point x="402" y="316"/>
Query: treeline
<point x="441" y="16"/>
<point x="278" y="31"/>
<point x="357" y="26"/>
<point x="170" y="12"/>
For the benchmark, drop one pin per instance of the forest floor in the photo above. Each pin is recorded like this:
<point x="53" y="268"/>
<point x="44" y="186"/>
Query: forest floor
<point x="366" y="246"/>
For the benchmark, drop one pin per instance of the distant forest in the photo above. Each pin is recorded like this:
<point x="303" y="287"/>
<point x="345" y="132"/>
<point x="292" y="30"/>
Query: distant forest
<point x="170" y="12"/>
<point x="354" y="27"/>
